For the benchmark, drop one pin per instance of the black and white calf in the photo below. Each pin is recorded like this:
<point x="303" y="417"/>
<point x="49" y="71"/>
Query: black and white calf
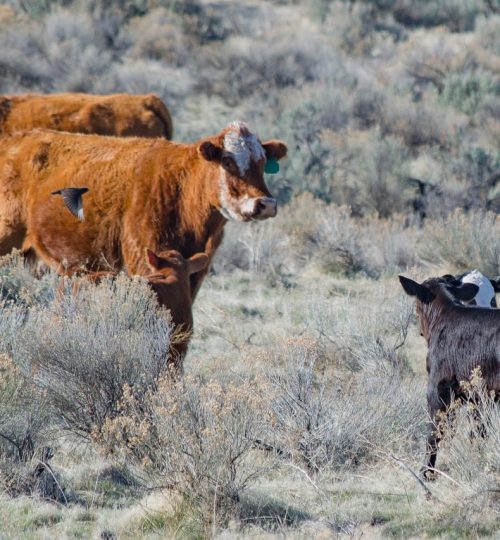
<point x="459" y="338"/>
<point x="485" y="296"/>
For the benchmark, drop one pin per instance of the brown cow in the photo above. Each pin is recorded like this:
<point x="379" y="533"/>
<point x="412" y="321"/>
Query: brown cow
<point x="460" y="339"/>
<point x="118" y="114"/>
<point x="142" y="193"/>
<point x="170" y="282"/>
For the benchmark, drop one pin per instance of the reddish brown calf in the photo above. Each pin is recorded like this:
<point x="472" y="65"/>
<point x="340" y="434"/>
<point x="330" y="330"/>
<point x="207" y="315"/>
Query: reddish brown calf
<point x="170" y="282"/>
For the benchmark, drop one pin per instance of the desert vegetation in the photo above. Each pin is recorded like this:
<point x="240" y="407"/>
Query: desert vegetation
<point x="302" y="412"/>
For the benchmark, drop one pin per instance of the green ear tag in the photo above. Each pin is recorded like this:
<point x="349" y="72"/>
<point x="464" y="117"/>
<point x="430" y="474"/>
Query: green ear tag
<point x="272" y="166"/>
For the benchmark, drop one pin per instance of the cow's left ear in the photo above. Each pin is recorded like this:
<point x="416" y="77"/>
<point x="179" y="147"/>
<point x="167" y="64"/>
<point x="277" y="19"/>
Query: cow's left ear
<point x="210" y="151"/>
<point x="415" y="289"/>
<point x="153" y="259"/>
<point x="465" y="292"/>
<point x="496" y="283"/>
<point x="275" y="149"/>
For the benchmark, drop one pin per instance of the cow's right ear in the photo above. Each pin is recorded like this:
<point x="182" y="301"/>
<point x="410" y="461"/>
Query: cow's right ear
<point x="465" y="292"/>
<point x="275" y="149"/>
<point x="153" y="259"/>
<point x="496" y="283"/>
<point x="210" y="151"/>
<point x="197" y="262"/>
<point x="415" y="289"/>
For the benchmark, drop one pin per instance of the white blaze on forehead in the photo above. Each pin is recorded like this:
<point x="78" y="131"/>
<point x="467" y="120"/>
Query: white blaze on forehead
<point x="486" y="291"/>
<point x="242" y="145"/>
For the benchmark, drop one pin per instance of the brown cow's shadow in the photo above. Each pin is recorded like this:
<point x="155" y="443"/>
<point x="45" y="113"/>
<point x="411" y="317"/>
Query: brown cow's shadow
<point x="270" y="514"/>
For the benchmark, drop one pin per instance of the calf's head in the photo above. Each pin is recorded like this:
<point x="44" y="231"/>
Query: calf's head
<point x="241" y="191"/>
<point x="173" y="269"/>
<point x="432" y="294"/>
<point x="485" y="296"/>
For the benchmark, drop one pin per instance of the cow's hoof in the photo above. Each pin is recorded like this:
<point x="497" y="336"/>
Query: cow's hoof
<point x="427" y="474"/>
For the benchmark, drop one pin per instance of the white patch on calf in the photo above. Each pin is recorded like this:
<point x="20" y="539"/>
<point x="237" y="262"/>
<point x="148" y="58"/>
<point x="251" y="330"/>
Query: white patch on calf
<point x="242" y="145"/>
<point x="486" y="291"/>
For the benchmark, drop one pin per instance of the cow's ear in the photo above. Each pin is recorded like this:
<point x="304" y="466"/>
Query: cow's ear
<point x="210" y="151"/>
<point x="197" y="262"/>
<point x="275" y="149"/>
<point x="415" y="289"/>
<point x="496" y="283"/>
<point x="153" y="259"/>
<point x="465" y="292"/>
<point x="450" y="279"/>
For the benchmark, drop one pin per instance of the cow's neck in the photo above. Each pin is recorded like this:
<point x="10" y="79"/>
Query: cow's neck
<point x="199" y="217"/>
<point x="191" y="218"/>
<point x="434" y="313"/>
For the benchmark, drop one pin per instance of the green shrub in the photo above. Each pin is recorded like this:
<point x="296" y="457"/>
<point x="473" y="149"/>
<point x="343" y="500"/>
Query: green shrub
<point x="195" y="436"/>
<point x="466" y="91"/>
<point x="457" y="15"/>
<point x="342" y="424"/>
<point x="83" y="348"/>
<point x="464" y="241"/>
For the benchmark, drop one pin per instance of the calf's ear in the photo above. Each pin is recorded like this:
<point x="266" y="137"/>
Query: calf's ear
<point x="275" y="149"/>
<point x="153" y="259"/>
<point x="197" y="262"/>
<point x="210" y="151"/>
<point x="465" y="292"/>
<point x="453" y="280"/>
<point x="496" y="283"/>
<point x="415" y="289"/>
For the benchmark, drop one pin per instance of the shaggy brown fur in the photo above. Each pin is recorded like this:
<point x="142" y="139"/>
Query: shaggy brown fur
<point x="142" y="193"/>
<point x="460" y="339"/>
<point x="118" y="114"/>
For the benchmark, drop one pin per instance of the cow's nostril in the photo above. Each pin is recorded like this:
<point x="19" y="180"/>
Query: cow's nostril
<point x="264" y="207"/>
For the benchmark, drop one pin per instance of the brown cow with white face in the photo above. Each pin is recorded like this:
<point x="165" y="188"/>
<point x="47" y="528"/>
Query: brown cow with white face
<point x="122" y="115"/>
<point x="142" y="193"/>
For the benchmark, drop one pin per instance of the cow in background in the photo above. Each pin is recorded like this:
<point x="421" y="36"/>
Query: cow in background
<point x="460" y="339"/>
<point x="142" y="193"/>
<point x="488" y="287"/>
<point x="122" y="115"/>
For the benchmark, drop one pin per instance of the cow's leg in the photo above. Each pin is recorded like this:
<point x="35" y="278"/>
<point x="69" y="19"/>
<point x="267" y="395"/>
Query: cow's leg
<point x="93" y="277"/>
<point x="438" y="400"/>
<point x="36" y="252"/>
<point x="11" y="236"/>
<point x="211" y="246"/>
<point x="12" y="223"/>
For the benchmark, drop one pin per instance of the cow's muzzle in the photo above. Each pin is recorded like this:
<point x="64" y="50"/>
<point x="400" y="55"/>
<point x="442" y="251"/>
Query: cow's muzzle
<point x="265" y="207"/>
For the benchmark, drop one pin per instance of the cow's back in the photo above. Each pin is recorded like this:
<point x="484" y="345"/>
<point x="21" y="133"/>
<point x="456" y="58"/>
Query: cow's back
<point x="466" y="338"/>
<point x="36" y="163"/>
<point x="120" y="114"/>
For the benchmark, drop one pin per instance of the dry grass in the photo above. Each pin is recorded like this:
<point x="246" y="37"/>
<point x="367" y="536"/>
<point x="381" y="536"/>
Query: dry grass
<point x="302" y="412"/>
<point x="464" y="241"/>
